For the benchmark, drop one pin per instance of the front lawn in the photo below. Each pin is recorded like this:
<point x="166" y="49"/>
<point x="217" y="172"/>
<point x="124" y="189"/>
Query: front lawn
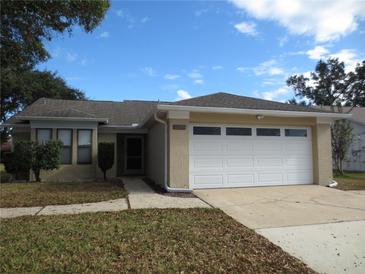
<point x="351" y="181"/>
<point x="139" y="241"/>
<point x="62" y="193"/>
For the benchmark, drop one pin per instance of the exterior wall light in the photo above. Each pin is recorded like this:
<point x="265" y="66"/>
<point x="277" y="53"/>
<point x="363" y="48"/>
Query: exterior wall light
<point x="260" y="117"/>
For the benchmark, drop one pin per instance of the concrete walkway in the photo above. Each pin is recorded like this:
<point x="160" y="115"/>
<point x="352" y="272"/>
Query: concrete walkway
<point x="143" y="196"/>
<point x="140" y="196"/>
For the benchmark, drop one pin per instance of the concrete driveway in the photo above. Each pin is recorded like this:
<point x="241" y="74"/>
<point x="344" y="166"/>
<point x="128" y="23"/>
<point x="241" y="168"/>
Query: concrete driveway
<point x="323" y="227"/>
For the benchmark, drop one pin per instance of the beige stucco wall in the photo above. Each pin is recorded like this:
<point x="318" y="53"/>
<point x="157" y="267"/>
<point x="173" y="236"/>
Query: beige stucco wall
<point x="108" y="138"/>
<point x="155" y="164"/>
<point x="179" y="143"/>
<point x="73" y="172"/>
<point x="322" y="154"/>
<point x="179" y="154"/>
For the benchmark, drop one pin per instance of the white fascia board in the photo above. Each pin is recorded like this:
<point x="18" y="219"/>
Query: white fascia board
<point x="280" y="113"/>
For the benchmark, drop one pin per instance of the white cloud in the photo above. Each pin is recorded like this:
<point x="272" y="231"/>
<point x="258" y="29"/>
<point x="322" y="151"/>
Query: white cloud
<point x="104" y="34"/>
<point x="195" y="74"/>
<point x="217" y="67"/>
<point x="83" y="62"/>
<point x="274" y="94"/>
<point x="199" y="81"/>
<point x="71" y="57"/>
<point x="242" y="69"/>
<point x="149" y="71"/>
<point x="269" y="67"/>
<point x="325" y="20"/>
<point x="317" y="53"/>
<point x="119" y="13"/>
<point x="348" y="56"/>
<point x="283" y="40"/>
<point x="145" y="19"/>
<point x="183" y="94"/>
<point x="248" y="28"/>
<point x="171" y="76"/>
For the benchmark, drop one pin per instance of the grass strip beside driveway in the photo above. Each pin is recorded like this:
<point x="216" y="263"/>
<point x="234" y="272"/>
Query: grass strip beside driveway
<point x="351" y="181"/>
<point x="139" y="241"/>
<point x="60" y="193"/>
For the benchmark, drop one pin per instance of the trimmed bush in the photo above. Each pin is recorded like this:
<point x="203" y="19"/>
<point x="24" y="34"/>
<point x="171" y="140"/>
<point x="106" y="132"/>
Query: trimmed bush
<point x="105" y="157"/>
<point x="45" y="156"/>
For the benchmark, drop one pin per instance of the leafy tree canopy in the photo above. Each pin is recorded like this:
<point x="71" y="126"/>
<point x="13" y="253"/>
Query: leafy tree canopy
<point x="26" y="24"/>
<point x="22" y="89"/>
<point x="331" y="85"/>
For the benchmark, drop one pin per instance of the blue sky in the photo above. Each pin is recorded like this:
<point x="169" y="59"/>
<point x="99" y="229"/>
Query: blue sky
<point x="171" y="50"/>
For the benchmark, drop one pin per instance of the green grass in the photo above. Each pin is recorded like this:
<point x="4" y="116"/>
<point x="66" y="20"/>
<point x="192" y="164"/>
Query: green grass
<point x="4" y="176"/>
<point x="351" y="181"/>
<point x="139" y="241"/>
<point x="62" y="193"/>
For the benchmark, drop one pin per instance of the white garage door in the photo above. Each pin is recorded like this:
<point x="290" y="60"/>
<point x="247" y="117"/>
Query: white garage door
<point x="240" y="156"/>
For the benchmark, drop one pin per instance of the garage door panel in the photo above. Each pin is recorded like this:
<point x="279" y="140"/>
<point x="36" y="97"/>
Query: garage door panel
<point x="270" y="178"/>
<point x="268" y="162"/>
<point x="239" y="179"/>
<point x="239" y="147"/>
<point x="207" y="163"/>
<point x="207" y="148"/>
<point x="207" y="180"/>
<point x="304" y="177"/>
<point x="298" y="163"/>
<point x="239" y="161"/>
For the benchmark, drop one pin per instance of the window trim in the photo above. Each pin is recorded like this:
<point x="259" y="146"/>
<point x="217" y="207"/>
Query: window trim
<point x="306" y="131"/>
<point x="257" y="128"/>
<point x="41" y="128"/>
<point x="239" y="135"/>
<point x="84" y="146"/>
<point x="219" y="127"/>
<point x="70" y="146"/>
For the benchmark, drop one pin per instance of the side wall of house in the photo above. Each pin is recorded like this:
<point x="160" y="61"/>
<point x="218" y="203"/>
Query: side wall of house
<point x="156" y="154"/>
<point x="355" y="159"/>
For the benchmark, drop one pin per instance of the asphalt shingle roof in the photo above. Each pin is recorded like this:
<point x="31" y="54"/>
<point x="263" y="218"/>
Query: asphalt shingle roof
<point x="118" y="113"/>
<point x="227" y="100"/>
<point x="133" y="111"/>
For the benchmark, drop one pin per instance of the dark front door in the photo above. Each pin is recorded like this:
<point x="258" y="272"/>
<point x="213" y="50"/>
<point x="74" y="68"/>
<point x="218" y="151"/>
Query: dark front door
<point x="133" y="162"/>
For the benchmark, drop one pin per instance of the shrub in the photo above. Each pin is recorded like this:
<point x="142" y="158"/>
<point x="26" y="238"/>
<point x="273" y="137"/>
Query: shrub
<point x="105" y="157"/>
<point x="45" y="156"/>
<point x="31" y="155"/>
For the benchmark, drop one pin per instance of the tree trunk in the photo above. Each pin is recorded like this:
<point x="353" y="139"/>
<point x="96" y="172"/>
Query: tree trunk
<point x="36" y="174"/>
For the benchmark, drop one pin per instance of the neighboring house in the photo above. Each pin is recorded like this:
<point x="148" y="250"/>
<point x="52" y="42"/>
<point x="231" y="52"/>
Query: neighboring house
<point x="355" y="159"/>
<point x="214" y="141"/>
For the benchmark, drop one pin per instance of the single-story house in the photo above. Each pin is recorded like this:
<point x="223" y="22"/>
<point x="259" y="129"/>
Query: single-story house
<point x="214" y="141"/>
<point x="355" y="158"/>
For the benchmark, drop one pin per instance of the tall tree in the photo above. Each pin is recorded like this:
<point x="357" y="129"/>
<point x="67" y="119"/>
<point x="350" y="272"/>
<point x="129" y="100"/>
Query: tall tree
<point x="18" y="92"/>
<point x="330" y="85"/>
<point x="25" y="25"/>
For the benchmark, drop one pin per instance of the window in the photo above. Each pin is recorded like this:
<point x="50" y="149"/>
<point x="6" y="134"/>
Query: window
<point x="44" y="135"/>
<point x="268" y="131"/>
<point x="295" y="132"/>
<point x="84" y="146"/>
<point x="207" y="131"/>
<point x="238" y="131"/>
<point x="65" y="136"/>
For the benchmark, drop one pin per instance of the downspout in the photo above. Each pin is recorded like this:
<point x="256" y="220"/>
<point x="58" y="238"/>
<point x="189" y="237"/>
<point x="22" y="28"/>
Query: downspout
<point x="166" y="186"/>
